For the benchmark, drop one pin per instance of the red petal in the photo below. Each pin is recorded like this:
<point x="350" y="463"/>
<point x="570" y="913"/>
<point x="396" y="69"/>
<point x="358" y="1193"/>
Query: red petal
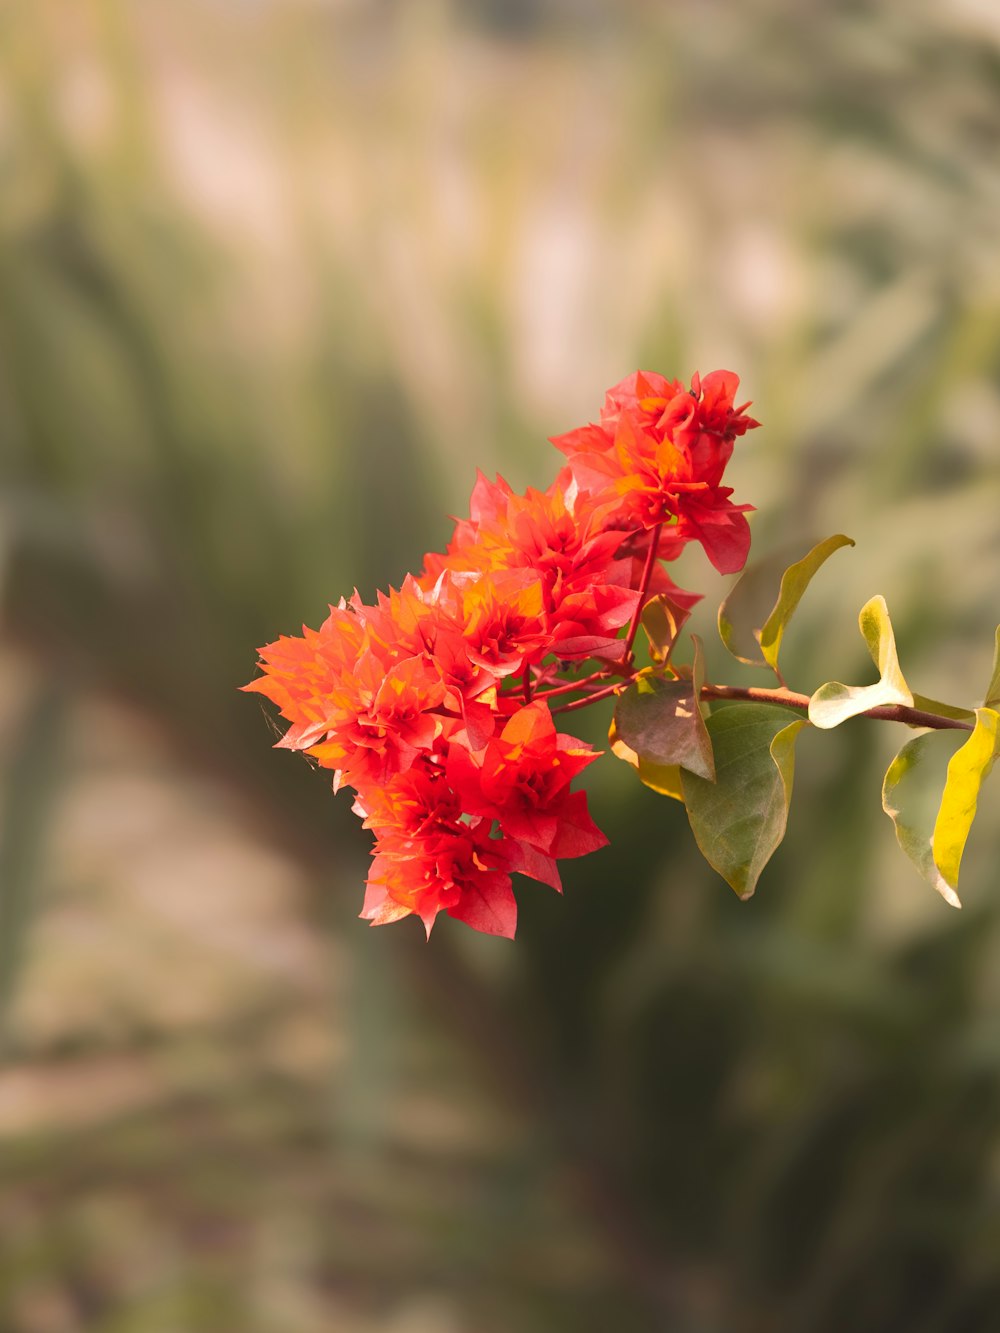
<point x="578" y="834"/>
<point x="726" y="539"/>
<point x="488" y="905"/>
<point x="379" y="908"/>
<point x="536" y="865"/>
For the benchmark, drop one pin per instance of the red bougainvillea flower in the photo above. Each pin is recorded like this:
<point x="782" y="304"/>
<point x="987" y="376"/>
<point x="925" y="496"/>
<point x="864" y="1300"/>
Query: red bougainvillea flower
<point x="428" y="859"/>
<point x="397" y="717"/>
<point x="658" y="455"/>
<point x="306" y="677"/>
<point x="432" y="854"/>
<point x="430" y="624"/>
<point x="357" y="705"/>
<point x="433" y="703"/>
<point x="504" y="621"/>
<point x="554" y="536"/>
<point x="522" y="781"/>
<point x="464" y="873"/>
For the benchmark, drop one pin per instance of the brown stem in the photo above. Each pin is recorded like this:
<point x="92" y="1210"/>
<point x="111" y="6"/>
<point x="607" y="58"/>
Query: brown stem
<point x="597" y="694"/>
<point x="914" y="717"/>
<point x="784" y="696"/>
<point x="570" y="686"/>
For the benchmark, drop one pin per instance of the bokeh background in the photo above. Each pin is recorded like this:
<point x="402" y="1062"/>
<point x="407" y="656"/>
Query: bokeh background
<point x="274" y="279"/>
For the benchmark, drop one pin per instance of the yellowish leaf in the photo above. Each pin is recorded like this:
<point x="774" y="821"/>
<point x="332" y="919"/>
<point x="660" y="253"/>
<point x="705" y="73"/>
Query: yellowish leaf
<point x="968" y="769"/>
<point x="834" y="703"/>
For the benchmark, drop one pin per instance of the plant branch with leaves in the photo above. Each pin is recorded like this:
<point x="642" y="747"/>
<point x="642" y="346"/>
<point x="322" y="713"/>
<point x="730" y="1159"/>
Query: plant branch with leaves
<point x="437" y="703"/>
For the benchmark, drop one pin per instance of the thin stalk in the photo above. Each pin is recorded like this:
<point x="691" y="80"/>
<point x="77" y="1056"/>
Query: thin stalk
<point x="592" y="698"/>
<point x="913" y="717"/>
<point x="647" y="574"/>
<point x="570" y="686"/>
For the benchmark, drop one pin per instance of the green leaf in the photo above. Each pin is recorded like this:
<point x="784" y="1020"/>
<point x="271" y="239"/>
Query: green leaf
<point x="834" y="703"/>
<point x="663" y="619"/>
<point x="992" y="699"/>
<point x="739" y="820"/>
<point x="742" y="613"/>
<point x="967" y="770"/>
<point x="794" y="582"/>
<point x="943" y="710"/>
<point x="911" y="796"/>
<point x="746" y="607"/>
<point x="660" y="722"/>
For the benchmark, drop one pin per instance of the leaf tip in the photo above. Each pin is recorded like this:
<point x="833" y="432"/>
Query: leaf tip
<point x="948" y="893"/>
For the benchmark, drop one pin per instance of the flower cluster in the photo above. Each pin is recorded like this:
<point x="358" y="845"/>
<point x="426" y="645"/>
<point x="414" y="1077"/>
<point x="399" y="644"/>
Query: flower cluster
<point x="433" y="704"/>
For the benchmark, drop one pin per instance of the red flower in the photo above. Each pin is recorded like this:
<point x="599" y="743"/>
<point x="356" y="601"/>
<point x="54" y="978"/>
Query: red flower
<point x="306" y="676"/>
<point x="557" y="538"/>
<point x="504" y="621"/>
<point x="432" y="854"/>
<point x="395" y="718"/>
<point x="464" y="875"/>
<point x="423" y="702"/>
<point x="427" y="858"/>
<point x="658" y="457"/>
<point x="522" y="781"/>
<point x="431" y="623"/>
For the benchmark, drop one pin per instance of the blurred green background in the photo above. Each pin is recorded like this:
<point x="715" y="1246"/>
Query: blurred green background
<point x="274" y="280"/>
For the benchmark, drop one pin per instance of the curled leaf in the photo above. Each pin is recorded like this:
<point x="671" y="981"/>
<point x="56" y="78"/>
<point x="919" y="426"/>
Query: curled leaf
<point x="834" y="703"/>
<point x="740" y="613"/>
<point x="967" y="770"/>
<point x="739" y="820"/>
<point x="746" y="607"/>
<point x="794" y="582"/>
<point x="911" y="796"/>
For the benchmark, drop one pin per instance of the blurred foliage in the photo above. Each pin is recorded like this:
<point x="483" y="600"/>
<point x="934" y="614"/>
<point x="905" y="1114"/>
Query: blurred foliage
<point x="274" y="280"/>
